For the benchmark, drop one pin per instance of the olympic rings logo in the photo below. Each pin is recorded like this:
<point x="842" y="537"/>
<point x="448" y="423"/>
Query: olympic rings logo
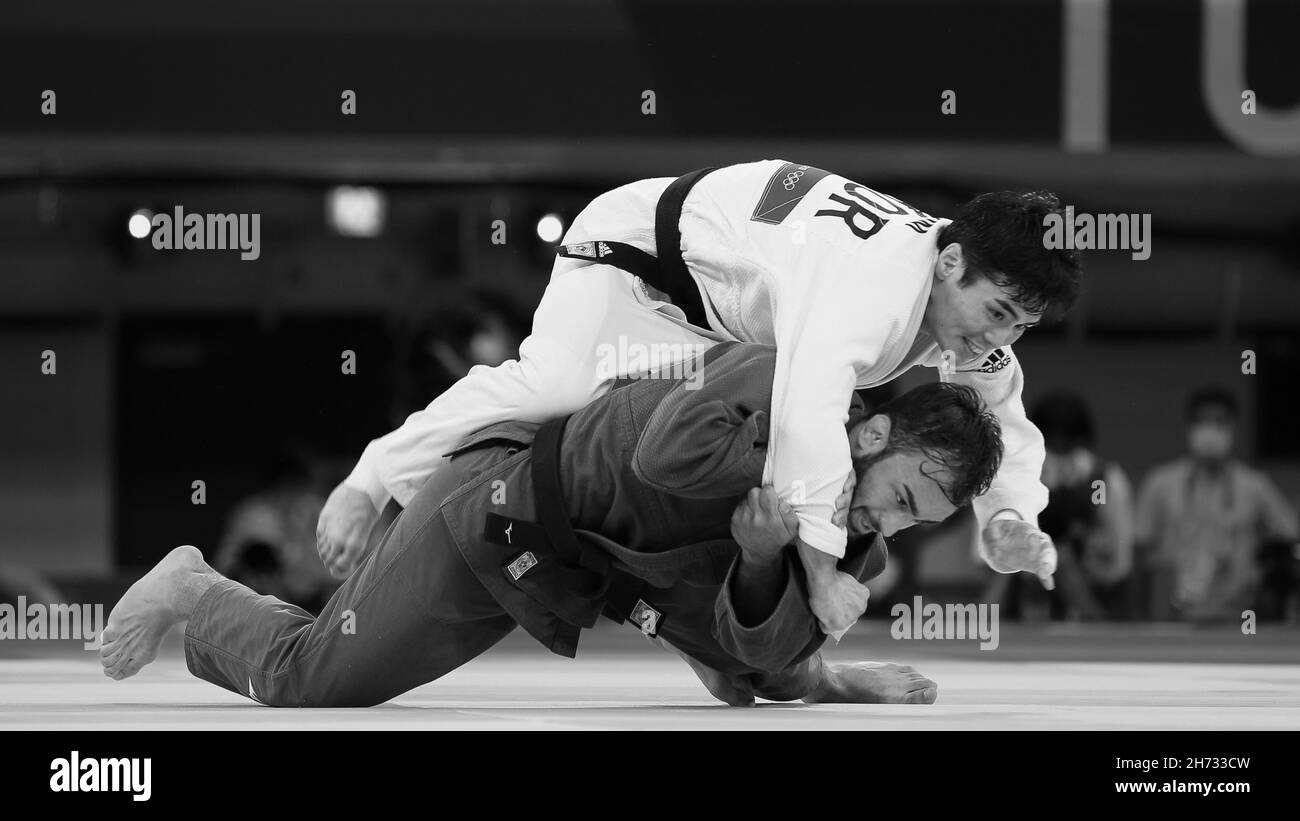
<point x="791" y="180"/>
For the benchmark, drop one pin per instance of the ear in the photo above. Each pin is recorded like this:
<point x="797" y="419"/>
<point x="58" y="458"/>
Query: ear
<point x="870" y="438"/>
<point x="950" y="263"/>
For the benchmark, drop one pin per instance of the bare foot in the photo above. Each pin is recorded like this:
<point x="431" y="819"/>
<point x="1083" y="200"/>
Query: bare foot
<point x="161" y="599"/>
<point x="874" y="682"/>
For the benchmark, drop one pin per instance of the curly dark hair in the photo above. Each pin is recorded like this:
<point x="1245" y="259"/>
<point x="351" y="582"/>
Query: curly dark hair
<point x="950" y="425"/>
<point x="1001" y="238"/>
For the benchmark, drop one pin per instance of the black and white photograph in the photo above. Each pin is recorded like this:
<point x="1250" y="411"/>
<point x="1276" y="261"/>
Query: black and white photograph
<point x="478" y="366"/>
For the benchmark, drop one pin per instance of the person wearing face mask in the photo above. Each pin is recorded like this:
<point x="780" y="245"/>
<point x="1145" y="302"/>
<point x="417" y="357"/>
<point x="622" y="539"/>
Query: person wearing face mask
<point x="1202" y="519"/>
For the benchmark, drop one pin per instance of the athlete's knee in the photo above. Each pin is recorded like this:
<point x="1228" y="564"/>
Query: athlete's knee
<point x="318" y="685"/>
<point x="325" y="697"/>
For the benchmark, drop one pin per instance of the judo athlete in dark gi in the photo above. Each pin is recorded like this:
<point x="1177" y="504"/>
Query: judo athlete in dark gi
<point x="623" y="509"/>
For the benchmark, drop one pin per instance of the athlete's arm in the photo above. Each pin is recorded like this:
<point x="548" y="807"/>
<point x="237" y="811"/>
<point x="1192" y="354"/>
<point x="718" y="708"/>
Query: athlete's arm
<point x="826" y="331"/>
<point x="763" y="526"/>
<point x="761" y="615"/>
<point x="349" y="515"/>
<point x="365" y="476"/>
<point x="1017" y="490"/>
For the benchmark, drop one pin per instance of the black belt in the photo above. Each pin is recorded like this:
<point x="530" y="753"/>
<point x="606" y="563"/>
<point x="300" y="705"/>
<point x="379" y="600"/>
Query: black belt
<point x="623" y="595"/>
<point x="549" y="495"/>
<point x="668" y="272"/>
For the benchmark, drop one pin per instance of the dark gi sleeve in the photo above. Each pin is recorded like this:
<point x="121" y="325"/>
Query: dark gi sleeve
<point x="707" y="437"/>
<point x="795" y="682"/>
<point x="773" y="644"/>
<point x="781" y="643"/>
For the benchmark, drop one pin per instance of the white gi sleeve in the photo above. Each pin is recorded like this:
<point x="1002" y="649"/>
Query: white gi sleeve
<point x="1018" y="485"/>
<point x="822" y="339"/>
<point x="365" y="477"/>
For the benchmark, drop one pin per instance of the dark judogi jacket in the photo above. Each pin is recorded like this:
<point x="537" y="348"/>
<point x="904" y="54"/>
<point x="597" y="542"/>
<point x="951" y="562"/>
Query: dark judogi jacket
<point x="624" y="509"/>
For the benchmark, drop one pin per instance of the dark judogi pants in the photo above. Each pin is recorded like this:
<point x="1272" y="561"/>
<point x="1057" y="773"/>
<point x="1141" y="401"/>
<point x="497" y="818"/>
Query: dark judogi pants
<point x="412" y="612"/>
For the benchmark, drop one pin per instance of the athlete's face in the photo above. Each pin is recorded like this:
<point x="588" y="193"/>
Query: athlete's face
<point x="893" y="490"/>
<point x="970" y="315"/>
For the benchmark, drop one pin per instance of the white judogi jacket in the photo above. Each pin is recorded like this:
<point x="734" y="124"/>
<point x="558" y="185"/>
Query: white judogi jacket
<point x="836" y="276"/>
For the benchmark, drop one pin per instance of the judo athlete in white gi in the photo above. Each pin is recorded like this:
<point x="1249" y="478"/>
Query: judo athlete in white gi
<point x="852" y="286"/>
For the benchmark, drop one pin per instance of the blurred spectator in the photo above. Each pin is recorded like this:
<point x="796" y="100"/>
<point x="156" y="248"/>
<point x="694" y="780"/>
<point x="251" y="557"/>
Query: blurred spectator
<point x="1089" y="512"/>
<point x="1089" y="516"/>
<point x="1203" y="520"/>
<point x="270" y="539"/>
<point x="478" y="329"/>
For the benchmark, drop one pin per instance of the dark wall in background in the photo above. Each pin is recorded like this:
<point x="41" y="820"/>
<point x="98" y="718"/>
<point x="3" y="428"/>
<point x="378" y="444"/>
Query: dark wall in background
<point x="229" y="401"/>
<point x="56" y="441"/>
<point x="578" y="67"/>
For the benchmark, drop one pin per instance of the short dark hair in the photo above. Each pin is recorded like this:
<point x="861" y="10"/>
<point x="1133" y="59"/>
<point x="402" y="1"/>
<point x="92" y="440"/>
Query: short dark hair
<point x="1064" y="420"/>
<point x="1001" y="238"/>
<point x="1212" y="397"/>
<point x="950" y="425"/>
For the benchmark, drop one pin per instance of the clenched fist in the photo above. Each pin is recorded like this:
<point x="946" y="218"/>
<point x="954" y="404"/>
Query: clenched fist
<point x="838" y="601"/>
<point x="1010" y="545"/>
<point x="763" y="524"/>
<point x="343" y="530"/>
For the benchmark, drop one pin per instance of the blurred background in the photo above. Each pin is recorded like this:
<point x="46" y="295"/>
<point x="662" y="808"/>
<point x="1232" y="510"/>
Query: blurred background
<point x="377" y="238"/>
